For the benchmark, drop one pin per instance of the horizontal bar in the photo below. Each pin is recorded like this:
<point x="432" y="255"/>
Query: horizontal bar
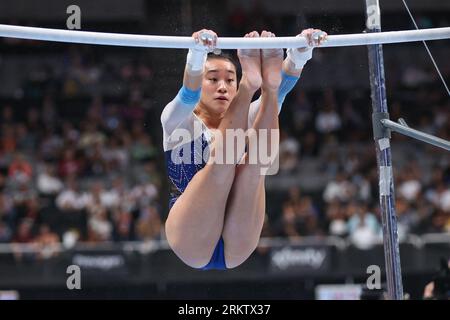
<point x="150" y="41"/>
<point x="416" y="134"/>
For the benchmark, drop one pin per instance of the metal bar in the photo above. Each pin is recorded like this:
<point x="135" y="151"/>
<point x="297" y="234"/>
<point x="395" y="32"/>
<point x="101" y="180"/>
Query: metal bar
<point x="416" y="134"/>
<point x="175" y="42"/>
<point x="383" y="150"/>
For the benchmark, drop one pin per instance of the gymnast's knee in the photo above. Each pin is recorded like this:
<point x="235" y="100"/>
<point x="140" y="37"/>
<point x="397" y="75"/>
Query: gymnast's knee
<point x="192" y="255"/>
<point x="194" y="262"/>
<point x="193" y="258"/>
<point x="233" y="260"/>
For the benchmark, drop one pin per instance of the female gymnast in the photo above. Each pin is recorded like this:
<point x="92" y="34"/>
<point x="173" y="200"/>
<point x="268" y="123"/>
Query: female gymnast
<point x="217" y="210"/>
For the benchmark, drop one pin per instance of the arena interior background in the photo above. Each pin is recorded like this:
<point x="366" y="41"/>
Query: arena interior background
<point x="82" y="176"/>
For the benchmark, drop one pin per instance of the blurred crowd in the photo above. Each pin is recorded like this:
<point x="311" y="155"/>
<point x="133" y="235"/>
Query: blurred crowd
<point x="92" y="178"/>
<point x="329" y="130"/>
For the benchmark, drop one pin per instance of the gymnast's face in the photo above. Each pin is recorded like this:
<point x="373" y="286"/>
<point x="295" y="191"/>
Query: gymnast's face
<point x="219" y="85"/>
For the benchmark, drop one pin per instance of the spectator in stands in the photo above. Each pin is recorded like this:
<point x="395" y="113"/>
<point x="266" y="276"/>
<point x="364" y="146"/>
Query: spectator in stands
<point x="415" y="76"/>
<point x="439" y="222"/>
<point x="115" y="155"/>
<point x="48" y="184"/>
<point x="363" y="226"/>
<point x="91" y="136"/>
<point x="300" y="216"/>
<point x="340" y="189"/>
<point x="95" y="199"/>
<point x="69" y="165"/>
<point x="410" y="185"/>
<point x="70" y="134"/>
<point x="310" y="144"/>
<point x="7" y="218"/>
<point x="143" y="195"/>
<point x="7" y="210"/>
<point x="47" y="242"/>
<point x="337" y="219"/>
<point x="50" y="147"/>
<point x="307" y="217"/>
<point x="288" y="227"/>
<point x="148" y="225"/>
<point x="352" y="121"/>
<point x="95" y="164"/>
<point x="294" y="194"/>
<point x="24" y="235"/>
<point x="148" y="173"/>
<point x="134" y="111"/>
<point x="24" y="232"/>
<point x="363" y="187"/>
<point x="71" y="198"/>
<point x="123" y="225"/>
<point x="440" y="196"/>
<point x="425" y="210"/>
<point x="289" y="152"/>
<point x="407" y="218"/>
<point x="22" y="193"/>
<point x="20" y="170"/>
<point x="143" y="149"/>
<point x="302" y="112"/>
<point x="116" y="195"/>
<point x="328" y="120"/>
<point x="100" y="227"/>
<point x="8" y="139"/>
<point x="5" y="232"/>
<point x="31" y="209"/>
<point x="111" y="117"/>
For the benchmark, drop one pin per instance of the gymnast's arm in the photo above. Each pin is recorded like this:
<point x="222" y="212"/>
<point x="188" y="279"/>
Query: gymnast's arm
<point x="297" y="58"/>
<point x="187" y="98"/>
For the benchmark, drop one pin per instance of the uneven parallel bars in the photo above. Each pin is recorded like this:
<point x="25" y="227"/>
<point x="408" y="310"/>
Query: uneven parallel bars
<point x="175" y="42"/>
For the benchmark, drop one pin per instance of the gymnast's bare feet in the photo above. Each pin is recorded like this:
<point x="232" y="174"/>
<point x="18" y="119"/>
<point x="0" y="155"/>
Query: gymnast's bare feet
<point x="250" y="60"/>
<point x="272" y="61"/>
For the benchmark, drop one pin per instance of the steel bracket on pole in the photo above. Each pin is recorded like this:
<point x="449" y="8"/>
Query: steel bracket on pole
<point x="379" y="130"/>
<point x="402" y="128"/>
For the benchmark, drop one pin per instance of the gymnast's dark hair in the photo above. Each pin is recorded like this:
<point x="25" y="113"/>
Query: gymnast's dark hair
<point x="225" y="56"/>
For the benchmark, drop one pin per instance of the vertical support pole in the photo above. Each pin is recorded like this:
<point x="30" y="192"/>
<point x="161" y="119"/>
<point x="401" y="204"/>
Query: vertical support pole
<point x="383" y="150"/>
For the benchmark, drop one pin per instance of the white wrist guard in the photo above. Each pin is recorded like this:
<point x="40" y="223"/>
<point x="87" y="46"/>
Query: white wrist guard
<point x="195" y="60"/>
<point x="299" y="58"/>
<point x="196" y="57"/>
